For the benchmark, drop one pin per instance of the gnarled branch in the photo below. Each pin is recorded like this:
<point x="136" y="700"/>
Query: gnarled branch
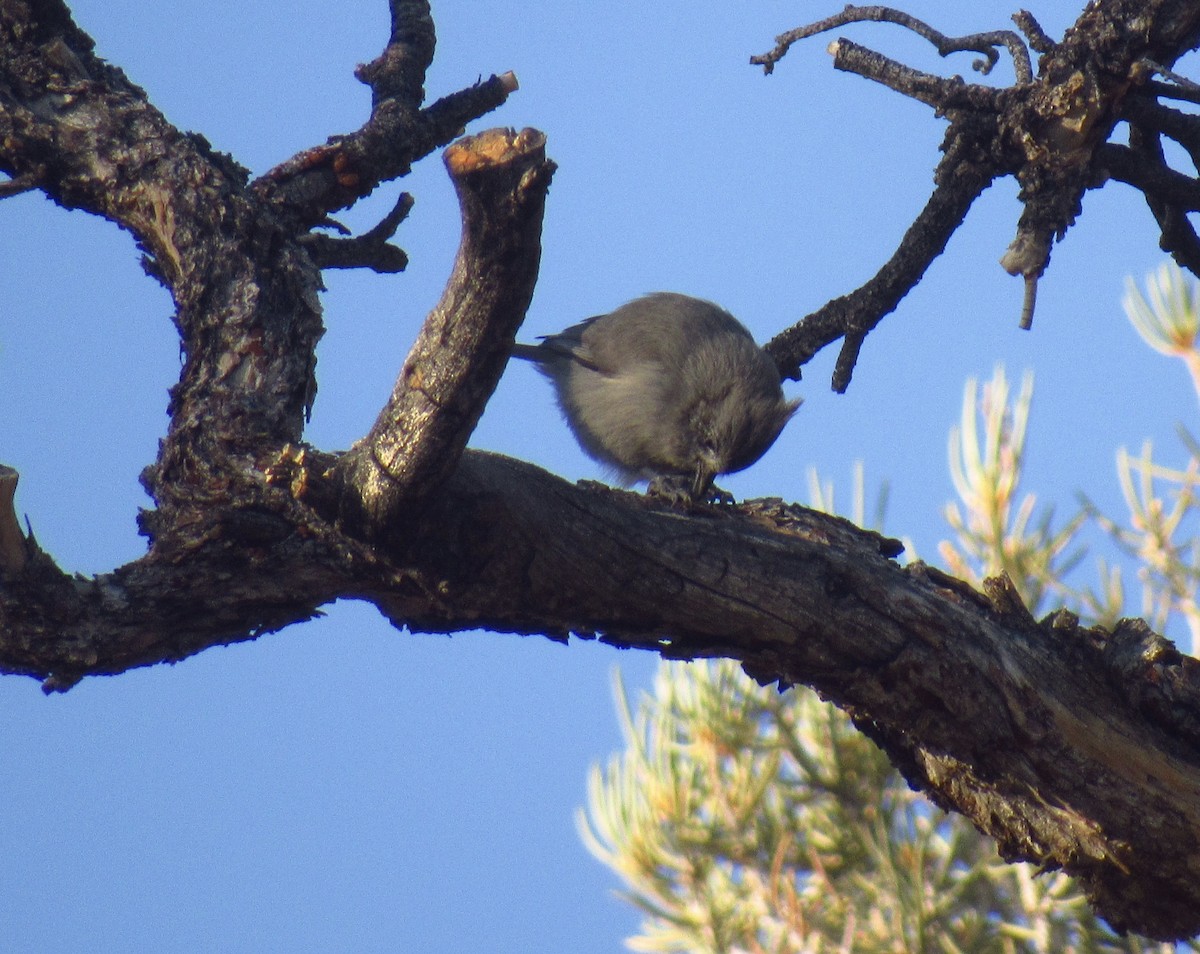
<point x="1046" y="131"/>
<point x="985" y="43"/>
<point x="501" y="178"/>
<point x="1074" y="747"/>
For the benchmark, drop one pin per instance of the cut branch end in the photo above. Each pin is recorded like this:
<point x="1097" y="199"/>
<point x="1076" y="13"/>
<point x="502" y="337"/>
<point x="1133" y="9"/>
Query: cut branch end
<point x="501" y="177"/>
<point x="13" y="551"/>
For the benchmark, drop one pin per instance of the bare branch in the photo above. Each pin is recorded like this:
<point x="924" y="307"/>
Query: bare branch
<point x="1178" y="236"/>
<point x="1156" y="180"/>
<point x="1177" y="87"/>
<point x="326" y="178"/>
<point x="369" y="250"/>
<point x="1182" y="127"/>
<point x="985" y="43"/>
<point x="1169" y="91"/>
<point x="501" y="178"/>
<point x="323" y="179"/>
<point x="1045" y="133"/>
<point x="943" y="94"/>
<point x="1073" y="747"/>
<point x="247" y="373"/>
<point x="19" y="184"/>
<point x="1037" y="38"/>
<point x="398" y="73"/>
<point x="853" y="316"/>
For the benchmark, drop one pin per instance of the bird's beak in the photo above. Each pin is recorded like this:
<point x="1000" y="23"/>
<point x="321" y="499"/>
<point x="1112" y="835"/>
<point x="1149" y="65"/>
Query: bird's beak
<point x="702" y="481"/>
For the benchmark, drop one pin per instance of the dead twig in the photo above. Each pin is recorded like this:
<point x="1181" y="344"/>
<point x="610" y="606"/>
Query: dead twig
<point x="369" y="250"/>
<point x="986" y="44"/>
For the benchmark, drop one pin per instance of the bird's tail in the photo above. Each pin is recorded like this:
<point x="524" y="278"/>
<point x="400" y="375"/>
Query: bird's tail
<point x="529" y="352"/>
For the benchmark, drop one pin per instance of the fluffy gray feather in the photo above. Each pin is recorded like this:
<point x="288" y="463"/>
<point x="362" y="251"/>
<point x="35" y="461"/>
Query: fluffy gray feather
<point x="667" y="388"/>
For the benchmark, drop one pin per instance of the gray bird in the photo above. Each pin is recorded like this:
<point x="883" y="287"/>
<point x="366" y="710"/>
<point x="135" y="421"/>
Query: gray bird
<point x="667" y="389"/>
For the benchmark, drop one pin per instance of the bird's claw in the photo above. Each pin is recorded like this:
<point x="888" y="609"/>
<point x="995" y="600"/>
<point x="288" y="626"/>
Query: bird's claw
<point x="677" y="491"/>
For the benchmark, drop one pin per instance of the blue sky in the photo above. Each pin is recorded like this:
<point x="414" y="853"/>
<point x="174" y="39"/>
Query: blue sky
<point x="343" y="786"/>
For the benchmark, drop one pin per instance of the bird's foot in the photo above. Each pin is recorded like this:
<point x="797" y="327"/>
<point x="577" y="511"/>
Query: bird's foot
<point x="678" y="491"/>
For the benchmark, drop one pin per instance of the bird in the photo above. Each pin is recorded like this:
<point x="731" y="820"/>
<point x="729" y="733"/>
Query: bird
<point x="667" y="389"/>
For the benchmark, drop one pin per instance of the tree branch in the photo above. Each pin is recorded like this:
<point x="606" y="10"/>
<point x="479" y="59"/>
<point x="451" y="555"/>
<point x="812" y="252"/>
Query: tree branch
<point x="1045" y="132"/>
<point x="1073" y="747"/>
<point x="1156" y="181"/>
<point x="323" y="179"/>
<point x="943" y="94"/>
<point x="1169" y="194"/>
<point x="853" y="316"/>
<point x="369" y="250"/>
<point x="501" y="178"/>
<point x="24" y="183"/>
<point x="1176" y="87"/>
<point x="1184" y="128"/>
<point x="1035" y="36"/>
<point x="13" y="544"/>
<point x="399" y="71"/>
<point x="1186" y="94"/>
<point x="984" y="43"/>
<point x="1178" y="235"/>
<point x="248" y="321"/>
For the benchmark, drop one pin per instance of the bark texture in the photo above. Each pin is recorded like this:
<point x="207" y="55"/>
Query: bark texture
<point x="1073" y="747"/>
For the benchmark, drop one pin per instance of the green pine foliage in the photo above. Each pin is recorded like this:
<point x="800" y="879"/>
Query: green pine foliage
<point x="744" y="820"/>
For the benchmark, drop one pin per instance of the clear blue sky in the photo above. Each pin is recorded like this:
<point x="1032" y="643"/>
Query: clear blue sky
<point x="342" y="786"/>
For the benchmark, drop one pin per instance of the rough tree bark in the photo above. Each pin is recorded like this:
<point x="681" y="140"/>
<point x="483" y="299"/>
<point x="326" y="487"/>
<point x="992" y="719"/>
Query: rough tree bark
<point x="1073" y="747"/>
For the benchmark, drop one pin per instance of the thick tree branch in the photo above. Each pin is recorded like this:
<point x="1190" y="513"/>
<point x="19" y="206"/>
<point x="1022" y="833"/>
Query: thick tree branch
<point x="245" y="295"/>
<point x="501" y="178"/>
<point x="1075" y="748"/>
<point x="992" y="706"/>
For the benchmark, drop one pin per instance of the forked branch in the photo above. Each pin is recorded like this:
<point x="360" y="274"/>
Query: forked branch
<point x="1049" y="131"/>
<point x="985" y="43"/>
